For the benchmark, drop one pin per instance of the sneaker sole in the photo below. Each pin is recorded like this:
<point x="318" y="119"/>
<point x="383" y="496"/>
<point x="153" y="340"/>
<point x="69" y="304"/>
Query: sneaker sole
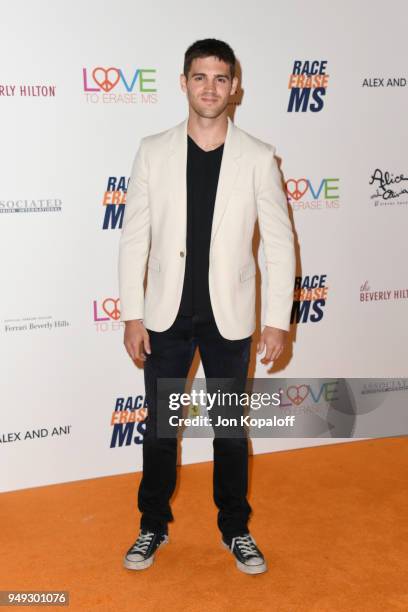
<point x="247" y="569"/>
<point x="141" y="565"/>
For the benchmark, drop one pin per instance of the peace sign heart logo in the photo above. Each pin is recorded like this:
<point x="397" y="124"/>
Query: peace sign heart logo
<point x="113" y="310"/>
<point x="297" y="393"/>
<point x="102" y="77"/>
<point x="296" y="191"/>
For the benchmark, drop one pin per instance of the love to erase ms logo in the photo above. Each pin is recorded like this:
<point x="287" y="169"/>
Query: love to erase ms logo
<point x="112" y="85"/>
<point x="106" y="314"/>
<point x="113" y="201"/>
<point x="307" y="84"/>
<point x="312" y="396"/>
<point x="309" y="299"/>
<point x="303" y="194"/>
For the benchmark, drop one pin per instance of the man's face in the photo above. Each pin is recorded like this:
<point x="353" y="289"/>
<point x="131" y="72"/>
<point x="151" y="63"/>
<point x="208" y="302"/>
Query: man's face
<point x="208" y="86"/>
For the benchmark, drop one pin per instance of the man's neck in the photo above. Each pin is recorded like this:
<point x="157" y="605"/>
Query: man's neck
<point x="208" y="133"/>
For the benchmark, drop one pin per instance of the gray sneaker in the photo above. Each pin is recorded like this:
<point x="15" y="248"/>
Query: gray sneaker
<point x="141" y="554"/>
<point x="249" y="558"/>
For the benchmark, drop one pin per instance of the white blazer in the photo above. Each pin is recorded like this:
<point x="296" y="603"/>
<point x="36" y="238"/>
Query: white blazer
<point x="154" y="233"/>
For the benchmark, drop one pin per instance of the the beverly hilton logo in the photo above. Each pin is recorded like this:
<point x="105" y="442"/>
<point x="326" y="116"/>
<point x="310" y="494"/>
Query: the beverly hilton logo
<point x="7" y="90"/>
<point x="308" y="83"/>
<point x="113" y="85"/>
<point x="304" y="194"/>
<point x="367" y="294"/>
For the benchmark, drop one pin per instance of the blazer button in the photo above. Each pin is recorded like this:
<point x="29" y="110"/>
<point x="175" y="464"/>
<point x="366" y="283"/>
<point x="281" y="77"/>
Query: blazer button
<point x="181" y="253"/>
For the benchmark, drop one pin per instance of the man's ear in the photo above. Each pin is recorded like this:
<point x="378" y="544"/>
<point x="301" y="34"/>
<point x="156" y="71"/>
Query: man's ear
<point x="234" y="85"/>
<point x="183" y="82"/>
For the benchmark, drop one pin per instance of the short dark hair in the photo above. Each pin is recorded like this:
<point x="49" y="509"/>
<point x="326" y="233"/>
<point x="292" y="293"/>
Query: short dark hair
<point x="210" y="47"/>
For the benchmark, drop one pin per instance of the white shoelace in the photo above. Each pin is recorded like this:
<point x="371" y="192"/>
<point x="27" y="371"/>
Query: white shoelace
<point x="246" y="545"/>
<point x="143" y="542"/>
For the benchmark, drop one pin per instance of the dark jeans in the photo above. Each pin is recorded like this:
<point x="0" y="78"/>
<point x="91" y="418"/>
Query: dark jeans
<point x="171" y="357"/>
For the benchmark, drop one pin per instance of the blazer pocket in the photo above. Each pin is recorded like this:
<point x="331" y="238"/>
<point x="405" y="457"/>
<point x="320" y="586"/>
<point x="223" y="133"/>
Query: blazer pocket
<point x="153" y="263"/>
<point x="247" y="271"/>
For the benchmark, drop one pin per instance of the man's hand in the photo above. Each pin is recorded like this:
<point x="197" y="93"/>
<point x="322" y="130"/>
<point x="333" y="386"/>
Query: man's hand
<point x="136" y="339"/>
<point x="274" y="340"/>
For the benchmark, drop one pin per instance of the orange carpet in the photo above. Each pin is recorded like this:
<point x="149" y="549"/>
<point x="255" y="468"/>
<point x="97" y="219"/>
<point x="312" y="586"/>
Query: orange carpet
<point x="331" y="520"/>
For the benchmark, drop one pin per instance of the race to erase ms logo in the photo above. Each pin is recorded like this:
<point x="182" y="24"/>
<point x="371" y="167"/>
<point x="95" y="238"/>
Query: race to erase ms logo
<point x="127" y="421"/>
<point x="106" y="314"/>
<point x="113" y="201"/>
<point x="309" y="299"/>
<point x="306" y="194"/>
<point x="113" y="85"/>
<point x="307" y="84"/>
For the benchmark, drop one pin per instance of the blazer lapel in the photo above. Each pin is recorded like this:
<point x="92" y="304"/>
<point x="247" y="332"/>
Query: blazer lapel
<point x="228" y="175"/>
<point x="177" y="161"/>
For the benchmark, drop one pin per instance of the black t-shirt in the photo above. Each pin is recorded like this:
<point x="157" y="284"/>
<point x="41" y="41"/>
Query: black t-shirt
<point x="203" y="168"/>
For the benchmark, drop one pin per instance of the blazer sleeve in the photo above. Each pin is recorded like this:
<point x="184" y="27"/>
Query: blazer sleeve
<point x="134" y="240"/>
<point x="278" y="243"/>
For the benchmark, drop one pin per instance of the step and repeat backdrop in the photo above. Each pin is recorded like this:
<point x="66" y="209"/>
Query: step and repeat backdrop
<point x="80" y="85"/>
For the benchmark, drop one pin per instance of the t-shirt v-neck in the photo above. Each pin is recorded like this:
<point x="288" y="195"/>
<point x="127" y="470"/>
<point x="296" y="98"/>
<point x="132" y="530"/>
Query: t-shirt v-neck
<point x="199" y="149"/>
<point x="203" y="168"/>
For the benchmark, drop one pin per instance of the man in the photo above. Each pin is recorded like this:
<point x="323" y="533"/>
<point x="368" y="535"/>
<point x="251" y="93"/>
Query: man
<point x="194" y="195"/>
